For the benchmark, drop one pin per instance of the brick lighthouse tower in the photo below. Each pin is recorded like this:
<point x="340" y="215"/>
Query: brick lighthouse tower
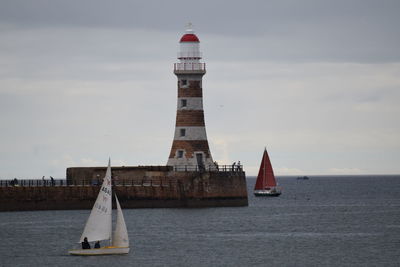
<point x="190" y="148"/>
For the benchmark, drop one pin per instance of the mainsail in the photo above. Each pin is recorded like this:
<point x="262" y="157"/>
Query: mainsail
<point x="99" y="224"/>
<point x="266" y="177"/>
<point x="120" y="237"/>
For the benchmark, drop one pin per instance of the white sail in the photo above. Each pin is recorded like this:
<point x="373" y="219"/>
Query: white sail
<point x="120" y="237"/>
<point x="99" y="223"/>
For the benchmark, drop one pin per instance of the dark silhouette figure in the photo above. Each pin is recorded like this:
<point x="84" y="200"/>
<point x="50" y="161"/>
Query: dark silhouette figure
<point x="216" y="165"/>
<point x="97" y="244"/>
<point x="85" y="244"/>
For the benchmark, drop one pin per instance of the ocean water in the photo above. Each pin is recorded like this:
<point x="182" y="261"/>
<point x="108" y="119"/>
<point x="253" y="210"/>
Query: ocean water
<point x="324" y="221"/>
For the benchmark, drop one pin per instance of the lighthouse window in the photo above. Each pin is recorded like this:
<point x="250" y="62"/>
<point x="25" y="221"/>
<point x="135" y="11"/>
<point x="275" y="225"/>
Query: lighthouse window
<point x="180" y="153"/>
<point x="183" y="132"/>
<point x="183" y="102"/>
<point x="183" y="82"/>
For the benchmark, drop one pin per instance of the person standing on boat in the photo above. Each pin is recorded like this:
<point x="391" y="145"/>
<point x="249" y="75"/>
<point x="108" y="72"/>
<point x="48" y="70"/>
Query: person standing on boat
<point x="97" y="244"/>
<point x="85" y="244"/>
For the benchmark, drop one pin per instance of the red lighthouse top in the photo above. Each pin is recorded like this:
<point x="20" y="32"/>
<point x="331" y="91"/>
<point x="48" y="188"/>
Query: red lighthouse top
<point x="189" y="36"/>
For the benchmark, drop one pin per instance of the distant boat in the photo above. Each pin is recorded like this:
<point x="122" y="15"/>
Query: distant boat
<point x="303" y="178"/>
<point x="266" y="185"/>
<point x="99" y="224"/>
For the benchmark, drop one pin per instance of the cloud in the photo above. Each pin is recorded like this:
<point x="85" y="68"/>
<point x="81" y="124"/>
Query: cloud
<point x="286" y="107"/>
<point x="289" y="31"/>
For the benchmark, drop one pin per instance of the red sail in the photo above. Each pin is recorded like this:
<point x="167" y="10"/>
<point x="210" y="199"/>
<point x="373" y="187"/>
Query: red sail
<point x="266" y="177"/>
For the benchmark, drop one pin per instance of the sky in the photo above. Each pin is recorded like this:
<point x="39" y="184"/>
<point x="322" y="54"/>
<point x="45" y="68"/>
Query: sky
<point x="315" y="82"/>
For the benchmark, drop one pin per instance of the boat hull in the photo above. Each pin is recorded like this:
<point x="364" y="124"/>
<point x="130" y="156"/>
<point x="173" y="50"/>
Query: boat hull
<point x="267" y="193"/>
<point x="99" y="251"/>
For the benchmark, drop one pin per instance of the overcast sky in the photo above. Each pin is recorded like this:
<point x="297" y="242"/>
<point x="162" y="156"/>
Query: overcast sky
<point x="316" y="82"/>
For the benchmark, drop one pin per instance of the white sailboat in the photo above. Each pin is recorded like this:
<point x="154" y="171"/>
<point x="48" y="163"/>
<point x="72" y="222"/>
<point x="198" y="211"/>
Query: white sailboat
<point x="99" y="224"/>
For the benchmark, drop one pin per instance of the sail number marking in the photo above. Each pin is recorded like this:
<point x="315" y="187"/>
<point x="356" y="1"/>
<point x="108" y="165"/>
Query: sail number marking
<point x="106" y="190"/>
<point x="100" y="207"/>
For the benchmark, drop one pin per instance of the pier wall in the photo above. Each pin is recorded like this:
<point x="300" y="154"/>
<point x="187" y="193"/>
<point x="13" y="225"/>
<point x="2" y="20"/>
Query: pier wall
<point x="161" y="189"/>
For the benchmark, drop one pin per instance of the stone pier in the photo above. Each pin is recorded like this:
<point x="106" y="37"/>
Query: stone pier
<point x="136" y="187"/>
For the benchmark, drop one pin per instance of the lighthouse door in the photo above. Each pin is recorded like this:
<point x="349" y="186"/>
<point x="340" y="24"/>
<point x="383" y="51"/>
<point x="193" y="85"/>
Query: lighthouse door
<point x="199" y="158"/>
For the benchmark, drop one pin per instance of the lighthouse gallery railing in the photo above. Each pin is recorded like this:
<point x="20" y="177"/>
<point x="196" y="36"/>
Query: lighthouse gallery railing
<point x="189" y="66"/>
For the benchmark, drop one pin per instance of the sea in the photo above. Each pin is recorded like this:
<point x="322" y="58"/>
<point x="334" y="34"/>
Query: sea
<point x="323" y="221"/>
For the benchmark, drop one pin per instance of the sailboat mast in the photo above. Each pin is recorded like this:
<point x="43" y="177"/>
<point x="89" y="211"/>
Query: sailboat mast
<point x="265" y="177"/>
<point x="111" y="213"/>
<point x="111" y="194"/>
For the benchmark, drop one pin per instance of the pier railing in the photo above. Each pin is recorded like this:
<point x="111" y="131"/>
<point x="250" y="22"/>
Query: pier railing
<point x="33" y="182"/>
<point x="145" y="181"/>
<point x="211" y="168"/>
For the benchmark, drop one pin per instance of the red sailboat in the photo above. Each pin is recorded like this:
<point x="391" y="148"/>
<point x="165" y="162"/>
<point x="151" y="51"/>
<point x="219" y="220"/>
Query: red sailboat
<point x="266" y="184"/>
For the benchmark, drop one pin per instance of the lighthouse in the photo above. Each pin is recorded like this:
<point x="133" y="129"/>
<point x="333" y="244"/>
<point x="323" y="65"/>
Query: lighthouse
<point x="190" y="150"/>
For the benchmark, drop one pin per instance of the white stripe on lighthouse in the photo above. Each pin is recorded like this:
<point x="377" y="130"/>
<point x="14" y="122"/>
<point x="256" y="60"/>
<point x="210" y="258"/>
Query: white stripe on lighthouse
<point x="190" y="133"/>
<point x="192" y="103"/>
<point x="191" y="163"/>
